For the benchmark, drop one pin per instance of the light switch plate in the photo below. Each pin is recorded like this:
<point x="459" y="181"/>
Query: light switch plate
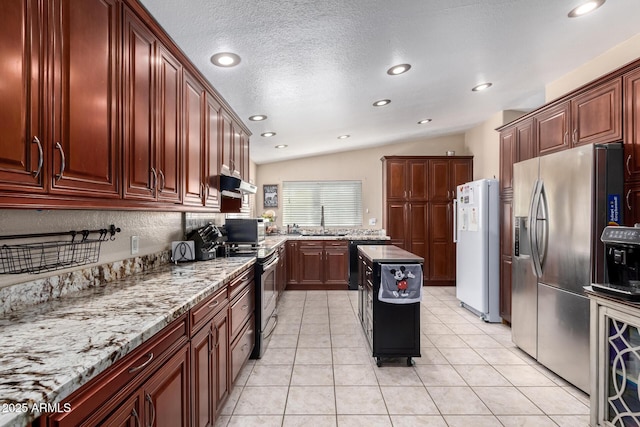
<point x="135" y="245"/>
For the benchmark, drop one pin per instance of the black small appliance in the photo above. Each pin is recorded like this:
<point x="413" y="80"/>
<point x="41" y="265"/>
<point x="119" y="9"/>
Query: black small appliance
<point x="622" y="260"/>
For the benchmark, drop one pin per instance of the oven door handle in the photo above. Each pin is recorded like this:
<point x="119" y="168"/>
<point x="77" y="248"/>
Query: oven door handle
<point x="275" y="323"/>
<point x="272" y="264"/>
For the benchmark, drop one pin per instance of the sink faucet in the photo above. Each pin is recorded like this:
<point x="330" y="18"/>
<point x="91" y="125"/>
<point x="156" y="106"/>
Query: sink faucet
<point x="322" y="217"/>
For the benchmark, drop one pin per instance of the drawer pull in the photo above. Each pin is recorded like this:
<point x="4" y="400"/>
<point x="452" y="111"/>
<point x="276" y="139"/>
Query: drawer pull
<point x="244" y="307"/>
<point x="244" y="347"/>
<point x="627" y="163"/>
<point x="137" y="368"/>
<point x="213" y="304"/>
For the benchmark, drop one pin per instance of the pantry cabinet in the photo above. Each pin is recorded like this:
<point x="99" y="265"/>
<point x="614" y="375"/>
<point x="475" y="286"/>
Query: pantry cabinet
<point x="418" y="211"/>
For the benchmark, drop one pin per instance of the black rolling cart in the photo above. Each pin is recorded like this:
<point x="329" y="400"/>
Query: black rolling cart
<point x="392" y="330"/>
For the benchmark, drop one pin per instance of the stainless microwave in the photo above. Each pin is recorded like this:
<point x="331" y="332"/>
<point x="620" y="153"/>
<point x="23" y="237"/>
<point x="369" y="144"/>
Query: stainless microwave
<point x="250" y="231"/>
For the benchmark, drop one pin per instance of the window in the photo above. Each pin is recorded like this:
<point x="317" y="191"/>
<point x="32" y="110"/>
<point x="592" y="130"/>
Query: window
<point x="302" y="203"/>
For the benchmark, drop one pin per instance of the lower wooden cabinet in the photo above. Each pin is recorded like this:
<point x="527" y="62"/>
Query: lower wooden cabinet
<point x="181" y="377"/>
<point x="319" y="265"/>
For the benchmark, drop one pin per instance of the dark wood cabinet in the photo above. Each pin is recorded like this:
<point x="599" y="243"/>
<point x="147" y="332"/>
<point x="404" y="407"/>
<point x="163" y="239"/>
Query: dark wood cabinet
<point x="166" y="393"/>
<point x="552" y="128"/>
<point x="508" y="156"/>
<point x="152" y="116"/>
<point x="318" y="265"/>
<point x="24" y="149"/>
<point x="631" y="83"/>
<point x="212" y="153"/>
<point x="84" y="37"/>
<point x="194" y="153"/>
<point x="418" y="211"/>
<point x="292" y="263"/>
<point x="281" y="271"/>
<point x="596" y="115"/>
<point x="45" y="109"/>
<point x="506" y="243"/>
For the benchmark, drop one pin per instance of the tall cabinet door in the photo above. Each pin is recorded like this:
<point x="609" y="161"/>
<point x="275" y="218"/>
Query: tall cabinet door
<point x="139" y="135"/>
<point x="212" y="148"/>
<point x="22" y="155"/>
<point x="441" y="261"/>
<point x="169" y="138"/>
<point x="193" y="96"/>
<point x="84" y="69"/>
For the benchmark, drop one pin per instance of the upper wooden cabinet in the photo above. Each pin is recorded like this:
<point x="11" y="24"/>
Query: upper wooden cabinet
<point x="406" y="179"/>
<point x="152" y="116"/>
<point x="22" y="141"/>
<point x="49" y="113"/>
<point x="445" y="175"/>
<point x="94" y="113"/>
<point x="516" y="144"/>
<point x="632" y="125"/>
<point x="594" y="116"/>
<point x="194" y="141"/>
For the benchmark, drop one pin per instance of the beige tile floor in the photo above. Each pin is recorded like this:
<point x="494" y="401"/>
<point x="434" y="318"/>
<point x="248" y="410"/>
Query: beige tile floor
<point x="318" y="371"/>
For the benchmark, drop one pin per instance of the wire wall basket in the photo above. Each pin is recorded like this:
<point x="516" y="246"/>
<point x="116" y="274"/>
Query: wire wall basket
<point x="53" y="255"/>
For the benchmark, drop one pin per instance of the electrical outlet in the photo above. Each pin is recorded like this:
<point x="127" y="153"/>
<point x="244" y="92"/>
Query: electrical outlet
<point x="135" y="245"/>
<point x="372" y="221"/>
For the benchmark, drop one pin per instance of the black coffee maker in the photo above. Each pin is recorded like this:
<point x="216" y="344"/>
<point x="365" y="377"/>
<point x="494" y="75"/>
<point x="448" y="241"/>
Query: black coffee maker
<point x="622" y="257"/>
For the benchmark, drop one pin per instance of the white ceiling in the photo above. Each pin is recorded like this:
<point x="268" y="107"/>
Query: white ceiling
<point x="315" y="67"/>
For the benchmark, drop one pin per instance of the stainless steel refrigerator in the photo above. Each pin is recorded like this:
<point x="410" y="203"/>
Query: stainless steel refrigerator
<point x="561" y="204"/>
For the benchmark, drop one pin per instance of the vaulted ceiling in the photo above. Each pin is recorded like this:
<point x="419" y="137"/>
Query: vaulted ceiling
<point x="315" y="67"/>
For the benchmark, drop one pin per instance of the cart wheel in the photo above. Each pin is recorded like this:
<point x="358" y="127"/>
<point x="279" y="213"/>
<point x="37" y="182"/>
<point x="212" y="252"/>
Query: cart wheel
<point x="378" y="362"/>
<point x="409" y="361"/>
<point x="461" y="304"/>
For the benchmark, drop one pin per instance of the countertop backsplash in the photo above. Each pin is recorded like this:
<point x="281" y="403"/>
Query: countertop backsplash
<point x="45" y="289"/>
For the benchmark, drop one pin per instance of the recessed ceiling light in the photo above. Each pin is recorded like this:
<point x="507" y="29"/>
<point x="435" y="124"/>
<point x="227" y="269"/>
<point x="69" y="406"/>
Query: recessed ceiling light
<point x="398" y="69"/>
<point x="258" y="118"/>
<point x="225" y="59"/>
<point x="344" y="136"/>
<point x="585" y="8"/>
<point x="268" y="134"/>
<point x="421" y="122"/>
<point x="381" y="102"/>
<point x="281" y="146"/>
<point x="481" y="86"/>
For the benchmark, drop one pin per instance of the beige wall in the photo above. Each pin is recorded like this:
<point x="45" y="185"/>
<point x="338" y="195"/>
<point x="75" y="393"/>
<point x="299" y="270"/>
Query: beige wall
<point x="362" y="165"/>
<point x="615" y="57"/>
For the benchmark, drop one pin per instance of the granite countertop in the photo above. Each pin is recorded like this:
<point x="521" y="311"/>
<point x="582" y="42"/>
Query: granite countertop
<point x="51" y="349"/>
<point x="388" y="253"/>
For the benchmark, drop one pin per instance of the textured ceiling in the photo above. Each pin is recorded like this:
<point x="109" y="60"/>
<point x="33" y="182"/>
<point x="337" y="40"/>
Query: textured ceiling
<point x="315" y="67"/>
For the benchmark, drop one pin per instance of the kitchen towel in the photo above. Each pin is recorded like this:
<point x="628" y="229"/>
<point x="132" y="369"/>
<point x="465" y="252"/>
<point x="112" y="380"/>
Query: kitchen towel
<point x="400" y="284"/>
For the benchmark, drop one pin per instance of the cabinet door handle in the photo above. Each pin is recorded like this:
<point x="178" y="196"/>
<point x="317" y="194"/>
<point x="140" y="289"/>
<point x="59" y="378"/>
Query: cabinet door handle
<point x="207" y="187"/>
<point x="564" y="138"/>
<point x="63" y="162"/>
<point x="628" y="160"/>
<point x="137" y="368"/>
<point x="153" y="409"/>
<point x="154" y="184"/>
<point x="628" y="204"/>
<point x="40" y="156"/>
<point x="201" y="190"/>
<point x="161" y="176"/>
<point x="575" y="136"/>
<point x="134" y="414"/>
<point x="244" y="307"/>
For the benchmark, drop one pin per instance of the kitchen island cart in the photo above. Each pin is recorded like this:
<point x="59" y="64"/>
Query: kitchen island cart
<point x="392" y="329"/>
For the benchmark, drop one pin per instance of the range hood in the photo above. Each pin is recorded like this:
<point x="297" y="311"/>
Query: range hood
<point x="231" y="185"/>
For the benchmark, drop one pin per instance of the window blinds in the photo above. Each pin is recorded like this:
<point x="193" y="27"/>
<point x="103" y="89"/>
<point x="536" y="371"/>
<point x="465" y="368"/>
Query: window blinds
<point x="302" y="203"/>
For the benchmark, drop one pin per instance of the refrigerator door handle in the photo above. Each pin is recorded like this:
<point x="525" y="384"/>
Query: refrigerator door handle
<point x="533" y="232"/>
<point x="455" y="220"/>
<point x="544" y="227"/>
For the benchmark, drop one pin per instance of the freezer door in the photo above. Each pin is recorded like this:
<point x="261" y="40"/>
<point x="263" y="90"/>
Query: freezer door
<point x="562" y="225"/>
<point x="524" y="291"/>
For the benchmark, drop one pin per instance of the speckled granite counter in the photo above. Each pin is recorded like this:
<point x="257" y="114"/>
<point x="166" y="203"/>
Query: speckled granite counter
<point x="50" y="349"/>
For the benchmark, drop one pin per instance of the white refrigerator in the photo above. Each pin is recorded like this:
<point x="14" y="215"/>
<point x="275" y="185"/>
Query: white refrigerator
<point x="476" y="232"/>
